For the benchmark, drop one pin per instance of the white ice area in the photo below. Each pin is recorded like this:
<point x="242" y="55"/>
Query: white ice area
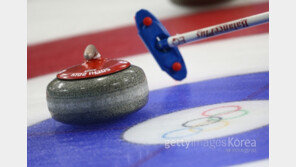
<point x="260" y="163"/>
<point x="54" y="19"/>
<point x="169" y="128"/>
<point x="204" y="61"/>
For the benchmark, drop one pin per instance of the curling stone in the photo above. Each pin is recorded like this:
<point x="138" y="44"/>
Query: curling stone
<point x="96" y="91"/>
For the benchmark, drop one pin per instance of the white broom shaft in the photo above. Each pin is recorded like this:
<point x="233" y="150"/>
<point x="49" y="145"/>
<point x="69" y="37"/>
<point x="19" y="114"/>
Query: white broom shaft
<point x="217" y="29"/>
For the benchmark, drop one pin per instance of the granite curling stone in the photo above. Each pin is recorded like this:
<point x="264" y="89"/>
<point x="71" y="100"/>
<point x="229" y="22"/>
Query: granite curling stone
<point x="96" y="91"/>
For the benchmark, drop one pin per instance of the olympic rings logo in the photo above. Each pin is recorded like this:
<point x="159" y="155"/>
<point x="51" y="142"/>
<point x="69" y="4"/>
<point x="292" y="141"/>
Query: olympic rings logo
<point x="212" y="119"/>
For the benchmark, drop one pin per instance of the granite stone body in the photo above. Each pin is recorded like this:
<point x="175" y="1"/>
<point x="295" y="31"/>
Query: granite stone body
<point x="96" y="100"/>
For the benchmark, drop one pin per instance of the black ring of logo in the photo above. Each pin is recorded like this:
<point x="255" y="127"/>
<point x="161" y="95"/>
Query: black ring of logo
<point x="209" y="121"/>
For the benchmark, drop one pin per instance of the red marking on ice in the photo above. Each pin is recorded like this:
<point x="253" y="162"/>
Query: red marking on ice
<point x="254" y="94"/>
<point x="238" y="108"/>
<point x="56" y="55"/>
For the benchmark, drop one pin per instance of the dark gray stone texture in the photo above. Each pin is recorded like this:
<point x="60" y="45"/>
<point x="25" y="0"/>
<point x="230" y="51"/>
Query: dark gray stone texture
<point x="97" y="100"/>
